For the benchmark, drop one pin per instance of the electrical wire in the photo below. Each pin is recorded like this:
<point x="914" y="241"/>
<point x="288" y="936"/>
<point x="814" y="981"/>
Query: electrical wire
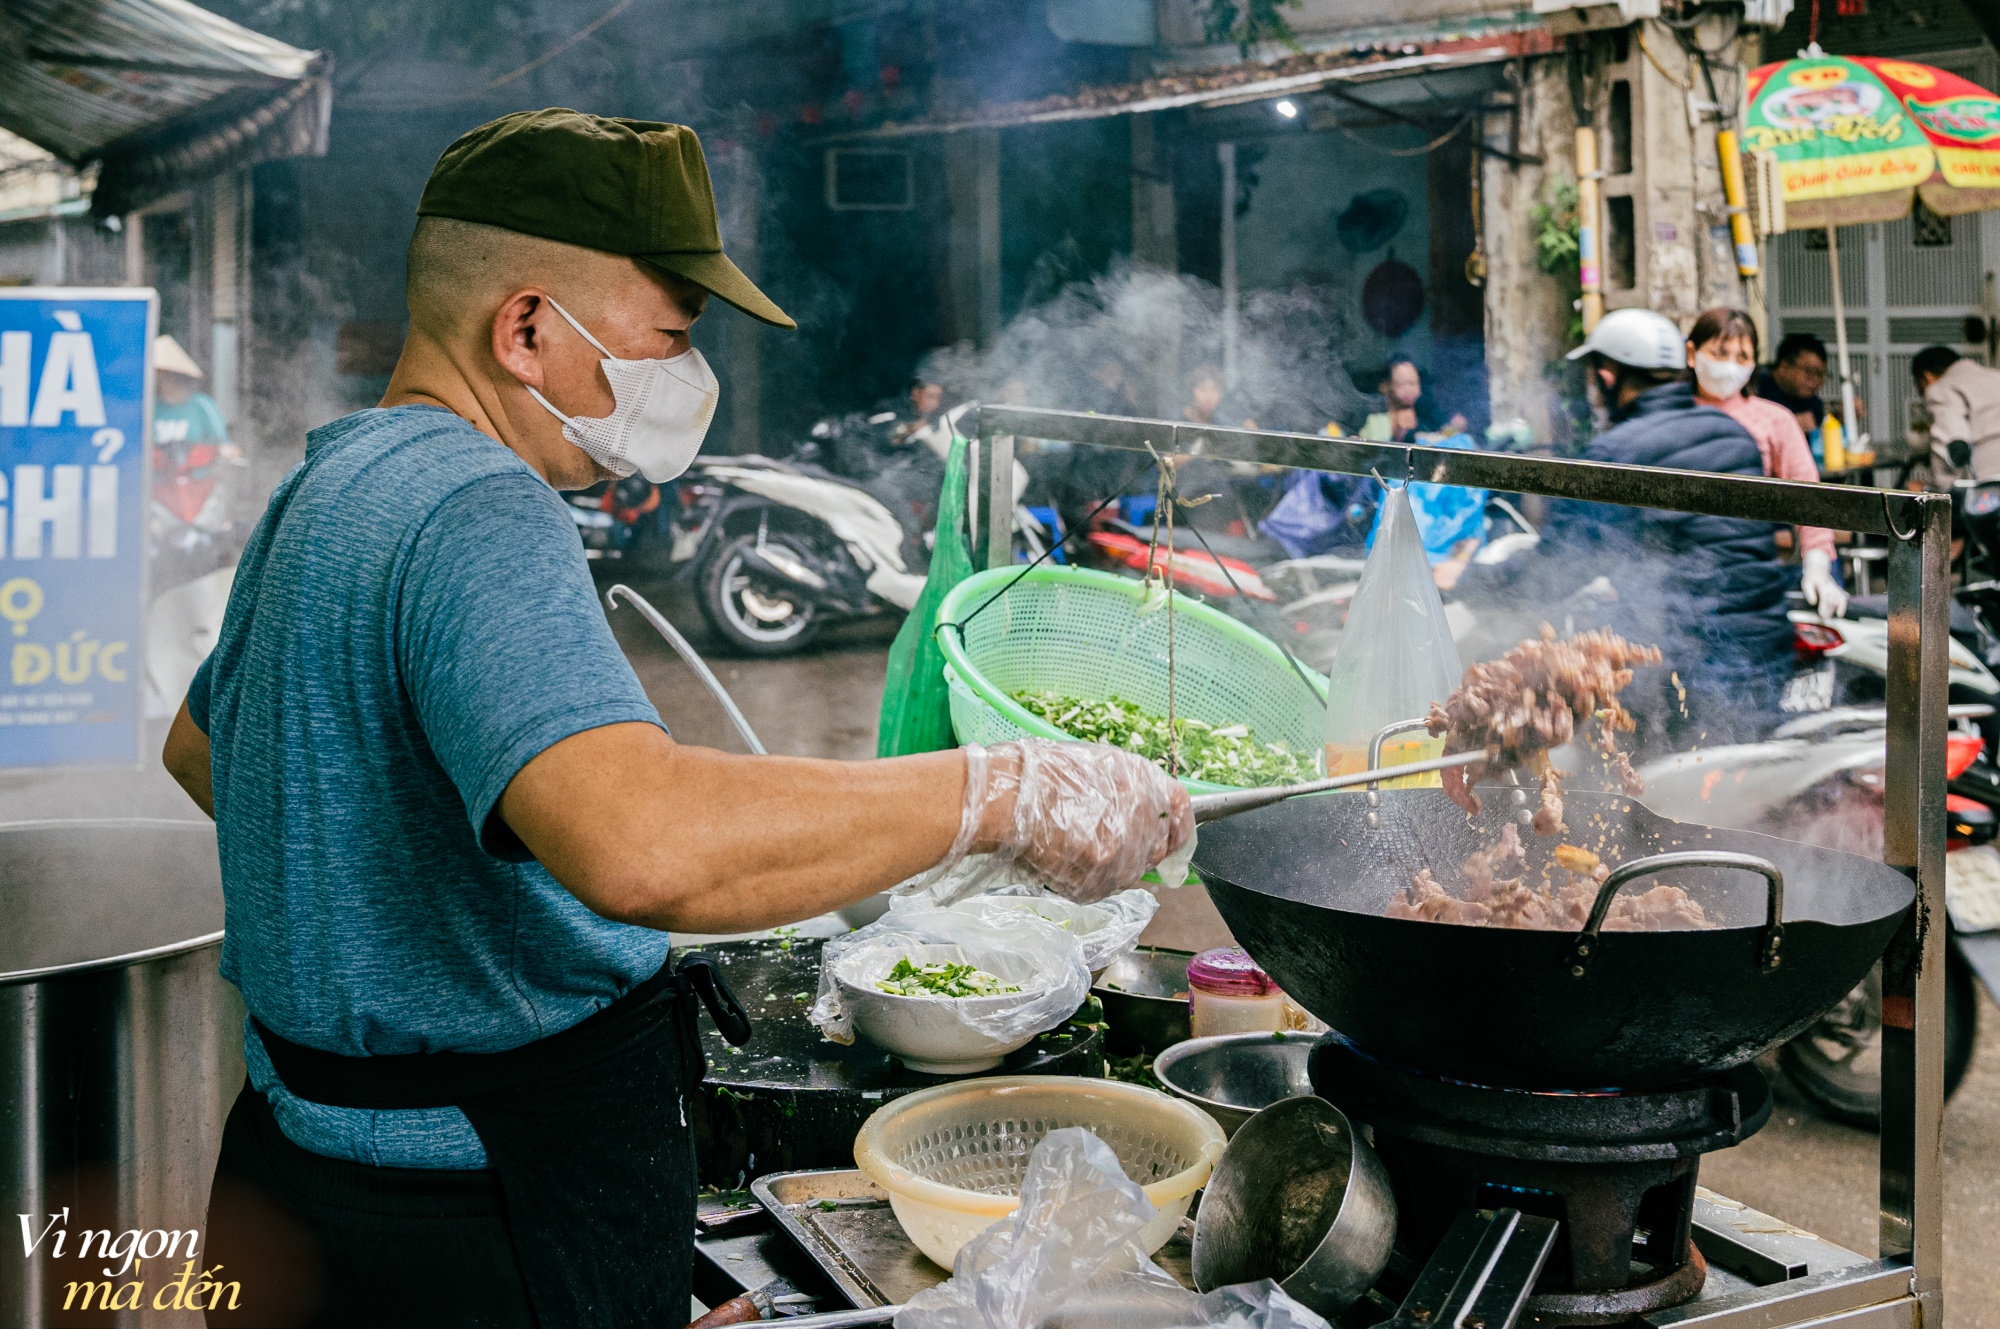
<point x="1654" y="61"/>
<point x="1429" y="147"/>
<point x="520" y="71"/>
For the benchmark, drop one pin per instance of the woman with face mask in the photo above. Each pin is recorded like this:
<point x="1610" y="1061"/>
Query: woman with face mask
<point x="1722" y="351"/>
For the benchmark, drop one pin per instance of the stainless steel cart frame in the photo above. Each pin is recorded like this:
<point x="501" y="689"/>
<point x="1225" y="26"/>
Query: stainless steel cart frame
<point x="1904" y="1286"/>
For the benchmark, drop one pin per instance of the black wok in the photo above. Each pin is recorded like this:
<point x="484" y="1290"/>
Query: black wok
<point x="1303" y="884"/>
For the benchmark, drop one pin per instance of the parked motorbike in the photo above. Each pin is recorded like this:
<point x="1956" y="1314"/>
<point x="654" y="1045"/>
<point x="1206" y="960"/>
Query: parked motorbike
<point x="614" y="517"/>
<point x="778" y="550"/>
<point x="1818" y="779"/>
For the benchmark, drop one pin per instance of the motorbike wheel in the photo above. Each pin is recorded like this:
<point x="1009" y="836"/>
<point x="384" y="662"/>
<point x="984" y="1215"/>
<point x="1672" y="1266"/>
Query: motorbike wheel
<point x="1838" y="1062"/>
<point x="750" y="620"/>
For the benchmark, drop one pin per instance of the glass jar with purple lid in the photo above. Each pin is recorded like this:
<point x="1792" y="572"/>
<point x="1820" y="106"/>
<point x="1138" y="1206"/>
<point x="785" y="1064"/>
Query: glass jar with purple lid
<point x="1229" y="994"/>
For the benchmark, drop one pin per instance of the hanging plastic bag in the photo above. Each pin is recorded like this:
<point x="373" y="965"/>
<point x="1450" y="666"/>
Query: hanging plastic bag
<point x="1395" y="657"/>
<point x="916" y="703"/>
<point x="1068" y="1258"/>
<point x="1024" y="951"/>
<point x="1105" y="930"/>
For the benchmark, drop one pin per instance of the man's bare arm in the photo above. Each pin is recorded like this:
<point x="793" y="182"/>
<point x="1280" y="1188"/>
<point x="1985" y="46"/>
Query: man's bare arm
<point x="186" y="758"/>
<point x="645" y="830"/>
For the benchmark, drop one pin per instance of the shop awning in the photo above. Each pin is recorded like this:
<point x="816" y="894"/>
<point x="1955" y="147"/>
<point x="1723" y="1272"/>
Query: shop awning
<point x="158" y="93"/>
<point x="1229" y="85"/>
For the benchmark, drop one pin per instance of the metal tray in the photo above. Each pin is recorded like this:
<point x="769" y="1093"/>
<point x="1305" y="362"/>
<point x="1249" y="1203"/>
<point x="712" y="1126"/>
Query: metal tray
<point x="842" y="1220"/>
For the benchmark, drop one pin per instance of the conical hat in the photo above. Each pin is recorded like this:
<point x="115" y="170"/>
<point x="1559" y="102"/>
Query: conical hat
<point x="169" y="358"/>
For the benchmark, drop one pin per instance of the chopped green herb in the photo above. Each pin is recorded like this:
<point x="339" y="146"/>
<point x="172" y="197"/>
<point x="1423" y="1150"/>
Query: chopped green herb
<point x="1218" y="754"/>
<point x="941" y="979"/>
<point x="827" y="1206"/>
<point x="1135" y="1069"/>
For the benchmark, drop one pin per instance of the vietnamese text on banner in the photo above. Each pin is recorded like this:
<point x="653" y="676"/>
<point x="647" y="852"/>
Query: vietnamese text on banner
<point x="75" y="403"/>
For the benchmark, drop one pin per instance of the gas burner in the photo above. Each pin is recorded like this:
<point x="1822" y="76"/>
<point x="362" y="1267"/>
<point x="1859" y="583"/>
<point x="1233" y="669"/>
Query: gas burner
<point x="1616" y="1170"/>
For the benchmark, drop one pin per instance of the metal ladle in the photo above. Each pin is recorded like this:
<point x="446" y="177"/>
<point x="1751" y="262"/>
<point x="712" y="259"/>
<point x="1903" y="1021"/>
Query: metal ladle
<point x="1207" y="807"/>
<point x="1210" y="807"/>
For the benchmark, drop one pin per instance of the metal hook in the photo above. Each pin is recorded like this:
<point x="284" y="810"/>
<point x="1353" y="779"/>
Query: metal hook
<point x="1889" y="517"/>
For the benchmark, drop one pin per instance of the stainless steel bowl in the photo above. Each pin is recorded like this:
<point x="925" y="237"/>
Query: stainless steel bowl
<point x="1299" y="1197"/>
<point x="1145" y="1000"/>
<point x="1235" y="1076"/>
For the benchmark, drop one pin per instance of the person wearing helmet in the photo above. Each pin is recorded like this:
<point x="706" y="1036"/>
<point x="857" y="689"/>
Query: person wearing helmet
<point x="1709" y="590"/>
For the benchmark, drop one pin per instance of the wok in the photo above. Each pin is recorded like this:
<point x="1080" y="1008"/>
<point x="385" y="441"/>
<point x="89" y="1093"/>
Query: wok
<point x="1302" y="885"/>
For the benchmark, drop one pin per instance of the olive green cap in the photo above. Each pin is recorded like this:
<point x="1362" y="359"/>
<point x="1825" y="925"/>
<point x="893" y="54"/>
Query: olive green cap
<point x="633" y="187"/>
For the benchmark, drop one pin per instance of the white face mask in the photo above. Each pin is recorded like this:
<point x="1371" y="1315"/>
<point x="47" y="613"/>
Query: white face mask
<point x="662" y="409"/>
<point x="1720" y="378"/>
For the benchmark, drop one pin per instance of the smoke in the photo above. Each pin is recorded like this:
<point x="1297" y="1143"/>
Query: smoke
<point x="1135" y="340"/>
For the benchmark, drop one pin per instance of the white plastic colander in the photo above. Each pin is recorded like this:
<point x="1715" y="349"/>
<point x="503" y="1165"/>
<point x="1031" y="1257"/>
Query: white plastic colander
<point x="952" y="1158"/>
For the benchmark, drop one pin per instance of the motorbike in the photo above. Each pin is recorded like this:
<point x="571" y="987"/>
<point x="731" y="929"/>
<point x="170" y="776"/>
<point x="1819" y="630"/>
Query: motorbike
<point x="777" y="549"/>
<point x="1818" y="779"/>
<point x="190" y="529"/>
<point x="614" y="516"/>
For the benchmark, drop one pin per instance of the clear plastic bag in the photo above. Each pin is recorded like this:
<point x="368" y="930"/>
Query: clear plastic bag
<point x="1105" y="930"/>
<point x="1396" y="655"/>
<point x="1023" y="950"/>
<point x="1068" y="1258"/>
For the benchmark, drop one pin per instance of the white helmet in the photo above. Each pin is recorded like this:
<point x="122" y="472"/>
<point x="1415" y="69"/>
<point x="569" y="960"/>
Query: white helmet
<point x="1638" y="338"/>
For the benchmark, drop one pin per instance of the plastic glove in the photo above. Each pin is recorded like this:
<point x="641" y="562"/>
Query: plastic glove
<point x="1818" y="585"/>
<point x="1084" y="819"/>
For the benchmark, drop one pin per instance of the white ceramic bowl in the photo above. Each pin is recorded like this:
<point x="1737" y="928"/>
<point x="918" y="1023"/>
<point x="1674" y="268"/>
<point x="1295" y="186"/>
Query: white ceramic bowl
<point x="929" y="1034"/>
<point x="952" y="1157"/>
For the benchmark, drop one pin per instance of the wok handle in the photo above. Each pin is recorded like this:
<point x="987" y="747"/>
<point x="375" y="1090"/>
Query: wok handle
<point x="1769" y="956"/>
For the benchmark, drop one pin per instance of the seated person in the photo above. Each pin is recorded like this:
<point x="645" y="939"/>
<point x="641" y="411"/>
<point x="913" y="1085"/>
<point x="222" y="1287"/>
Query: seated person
<point x="1407" y="409"/>
<point x="1795" y="380"/>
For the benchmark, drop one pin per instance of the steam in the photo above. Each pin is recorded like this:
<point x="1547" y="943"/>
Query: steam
<point x="1133" y="340"/>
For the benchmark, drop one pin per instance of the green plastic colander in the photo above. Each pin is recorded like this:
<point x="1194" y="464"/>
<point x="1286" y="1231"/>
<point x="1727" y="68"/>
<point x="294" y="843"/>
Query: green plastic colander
<point x="1081" y="634"/>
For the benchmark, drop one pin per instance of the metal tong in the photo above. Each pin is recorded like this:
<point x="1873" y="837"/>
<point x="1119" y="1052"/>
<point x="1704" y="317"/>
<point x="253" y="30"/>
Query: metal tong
<point x="1210" y="807"/>
<point x="694" y="660"/>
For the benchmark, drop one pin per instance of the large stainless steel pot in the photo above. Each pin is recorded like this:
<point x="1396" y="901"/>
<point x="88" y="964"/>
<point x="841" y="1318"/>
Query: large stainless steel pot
<point x="119" y="1046"/>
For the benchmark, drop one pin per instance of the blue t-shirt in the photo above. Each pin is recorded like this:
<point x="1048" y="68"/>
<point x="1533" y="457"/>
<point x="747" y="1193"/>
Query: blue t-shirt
<point x="413" y="620"/>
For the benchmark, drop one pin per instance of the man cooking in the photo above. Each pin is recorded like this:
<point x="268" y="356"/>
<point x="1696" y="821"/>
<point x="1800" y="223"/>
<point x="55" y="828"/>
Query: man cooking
<point x="454" y="834"/>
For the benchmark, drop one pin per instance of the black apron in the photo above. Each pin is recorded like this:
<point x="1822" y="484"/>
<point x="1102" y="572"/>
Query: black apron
<point x="587" y="1133"/>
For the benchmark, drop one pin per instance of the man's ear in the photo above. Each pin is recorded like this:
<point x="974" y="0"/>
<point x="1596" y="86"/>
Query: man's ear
<point x="517" y="341"/>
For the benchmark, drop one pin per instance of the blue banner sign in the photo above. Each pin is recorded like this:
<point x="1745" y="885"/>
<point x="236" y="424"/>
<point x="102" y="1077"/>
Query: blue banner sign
<point x="76" y="403"/>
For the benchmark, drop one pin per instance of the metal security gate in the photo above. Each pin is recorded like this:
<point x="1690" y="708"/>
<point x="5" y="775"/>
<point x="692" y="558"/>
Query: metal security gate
<point x="1907" y="284"/>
